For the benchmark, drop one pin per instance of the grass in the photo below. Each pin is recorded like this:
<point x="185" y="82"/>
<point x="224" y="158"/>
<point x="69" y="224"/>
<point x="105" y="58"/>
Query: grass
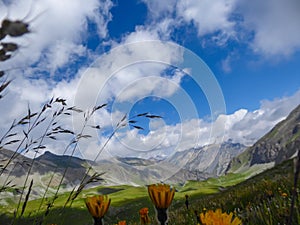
<point x="241" y="162"/>
<point x="258" y="200"/>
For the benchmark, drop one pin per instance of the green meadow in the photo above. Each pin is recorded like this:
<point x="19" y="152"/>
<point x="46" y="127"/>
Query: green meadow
<point x="263" y="199"/>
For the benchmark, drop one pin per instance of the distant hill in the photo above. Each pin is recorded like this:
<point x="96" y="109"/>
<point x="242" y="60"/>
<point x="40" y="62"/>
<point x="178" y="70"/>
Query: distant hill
<point x="275" y="147"/>
<point x="42" y="170"/>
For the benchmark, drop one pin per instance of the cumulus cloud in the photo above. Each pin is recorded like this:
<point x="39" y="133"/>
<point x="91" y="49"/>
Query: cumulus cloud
<point x="242" y="126"/>
<point x="121" y="72"/>
<point x="275" y="25"/>
<point x="158" y="9"/>
<point x="57" y="29"/>
<point x="21" y="93"/>
<point x="208" y="16"/>
<point x="62" y="53"/>
<point x="270" y="28"/>
<point x="257" y="123"/>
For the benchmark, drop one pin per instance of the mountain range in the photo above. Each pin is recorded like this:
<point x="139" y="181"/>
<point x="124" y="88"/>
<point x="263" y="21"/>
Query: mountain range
<point x="191" y="164"/>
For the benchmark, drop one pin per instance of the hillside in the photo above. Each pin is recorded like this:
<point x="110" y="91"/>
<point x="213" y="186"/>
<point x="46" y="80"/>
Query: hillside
<point x="276" y="146"/>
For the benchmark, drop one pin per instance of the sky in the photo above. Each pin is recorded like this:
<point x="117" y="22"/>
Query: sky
<point x="213" y="70"/>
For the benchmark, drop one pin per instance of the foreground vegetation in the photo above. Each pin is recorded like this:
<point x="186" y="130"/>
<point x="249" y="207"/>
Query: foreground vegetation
<point x="262" y="199"/>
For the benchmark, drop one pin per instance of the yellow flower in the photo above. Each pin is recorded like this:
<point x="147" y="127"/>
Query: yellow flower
<point x="144" y="216"/>
<point x="97" y="205"/>
<point x="219" y="218"/>
<point x="161" y="195"/>
<point x="284" y="194"/>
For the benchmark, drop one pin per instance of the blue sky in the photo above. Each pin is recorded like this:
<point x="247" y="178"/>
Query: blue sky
<point x="95" y="53"/>
<point x="246" y="79"/>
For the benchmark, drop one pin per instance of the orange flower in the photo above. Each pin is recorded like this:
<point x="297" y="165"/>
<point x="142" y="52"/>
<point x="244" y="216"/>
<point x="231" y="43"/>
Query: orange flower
<point x="144" y="216"/>
<point x="97" y="205"/>
<point x="123" y="222"/>
<point x="161" y="195"/>
<point x="219" y="218"/>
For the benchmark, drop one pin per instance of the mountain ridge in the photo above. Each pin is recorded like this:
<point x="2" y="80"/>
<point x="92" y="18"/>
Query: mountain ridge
<point x="122" y="170"/>
<point x="278" y="145"/>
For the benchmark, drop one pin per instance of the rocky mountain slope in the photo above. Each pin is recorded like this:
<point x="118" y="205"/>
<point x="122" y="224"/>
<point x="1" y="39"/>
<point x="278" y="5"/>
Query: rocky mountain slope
<point x="42" y="169"/>
<point x="207" y="161"/>
<point x="192" y="164"/>
<point x="276" y="146"/>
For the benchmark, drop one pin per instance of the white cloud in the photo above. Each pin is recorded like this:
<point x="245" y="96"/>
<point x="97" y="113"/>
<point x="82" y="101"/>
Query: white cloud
<point x="158" y="9"/>
<point x="22" y="93"/>
<point x="208" y="16"/>
<point x="226" y="64"/>
<point x="141" y="33"/>
<point x="62" y="53"/>
<point x="132" y="84"/>
<point x="58" y="29"/>
<point x="275" y="25"/>
<point x="242" y="126"/>
<point x="256" y="123"/>
<point x="128" y="71"/>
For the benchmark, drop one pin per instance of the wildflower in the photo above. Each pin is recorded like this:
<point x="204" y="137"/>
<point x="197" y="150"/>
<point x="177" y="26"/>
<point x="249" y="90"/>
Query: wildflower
<point x="123" y="222"/>
<point x="284" y="194"/>
<point x="144" y="216"/>
<point x="269" y="193"/>
<point x="219" y="218"/>
<point x="97" y="206"/>
<point x="161" y="196"/>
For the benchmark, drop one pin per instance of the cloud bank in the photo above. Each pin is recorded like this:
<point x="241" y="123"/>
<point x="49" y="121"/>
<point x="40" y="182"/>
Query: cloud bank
<point x="270" y="28"/>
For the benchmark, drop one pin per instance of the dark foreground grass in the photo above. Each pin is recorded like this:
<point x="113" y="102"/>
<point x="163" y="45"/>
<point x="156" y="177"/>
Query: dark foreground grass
<point x="263" y="199"/>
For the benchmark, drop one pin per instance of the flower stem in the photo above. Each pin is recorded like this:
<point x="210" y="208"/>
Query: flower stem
<point x="98" y="221"/>
<point x="162" y="216"/>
